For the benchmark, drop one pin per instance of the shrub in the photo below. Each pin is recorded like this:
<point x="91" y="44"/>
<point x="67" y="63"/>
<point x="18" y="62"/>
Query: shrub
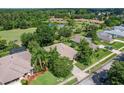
<point x="24" y="82"/>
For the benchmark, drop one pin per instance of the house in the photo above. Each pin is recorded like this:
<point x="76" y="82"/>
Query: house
<point x="89" y="20"/>
<point x="76" y="38"/>
<point x="63" y="50"/>
<point x="105" y="36"/>
<point x="116" y="31"/>
<point x="58" y="20"/>
<point x="14" y="66"/>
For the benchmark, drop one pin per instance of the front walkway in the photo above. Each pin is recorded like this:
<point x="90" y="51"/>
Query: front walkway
<point x="81" y="74"/>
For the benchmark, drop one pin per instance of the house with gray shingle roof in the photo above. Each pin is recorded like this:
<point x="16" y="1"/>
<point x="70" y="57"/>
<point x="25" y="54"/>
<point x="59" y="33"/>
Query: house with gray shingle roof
<point x="63" y="50"/>
<point x="115" y="32"/>
<point x="14" y="66"/>
<point x="104" y="36"/>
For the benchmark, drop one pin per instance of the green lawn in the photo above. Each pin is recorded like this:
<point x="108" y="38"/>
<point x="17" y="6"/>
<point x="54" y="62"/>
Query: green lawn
<point x="11" y="35"/>
<point x="46" y="79"/>
<point x="101" y="53"/>
<point x="80" y="65"/>
<point x="117" y="45"/>
<point x="71" y="82"/>
<point x="102" y="63"/>
<point x="121" y="38"/>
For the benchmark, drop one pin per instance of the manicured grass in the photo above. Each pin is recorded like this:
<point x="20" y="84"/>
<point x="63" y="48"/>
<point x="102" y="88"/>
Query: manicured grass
<point x="80" y="65"/>
<point x="117" y="45"/>
<point x="11" y="35"/>
<point x="122" y="50"/>
<point x="71" y="82"/>
<point x="46" y="79"/>
<point x="121" y="39"/>
<point x="102" y="63"/>
<point x="101" y="53"/>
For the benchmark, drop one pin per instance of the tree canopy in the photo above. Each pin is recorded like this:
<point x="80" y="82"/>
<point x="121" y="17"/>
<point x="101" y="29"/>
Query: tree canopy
<point x="61" y="67"/>
<point x="84" y="54"/>
<point x="116" y="73"/>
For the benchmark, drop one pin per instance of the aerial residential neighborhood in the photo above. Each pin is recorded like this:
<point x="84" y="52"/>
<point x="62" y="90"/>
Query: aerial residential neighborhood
<point x="61" y="46"/>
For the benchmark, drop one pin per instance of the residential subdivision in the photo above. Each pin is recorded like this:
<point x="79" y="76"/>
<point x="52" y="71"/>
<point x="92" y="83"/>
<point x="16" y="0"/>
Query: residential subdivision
<point x="61" y="46"/>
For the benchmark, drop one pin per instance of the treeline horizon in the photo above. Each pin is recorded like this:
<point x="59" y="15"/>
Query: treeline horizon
<point x="25" y="18"/>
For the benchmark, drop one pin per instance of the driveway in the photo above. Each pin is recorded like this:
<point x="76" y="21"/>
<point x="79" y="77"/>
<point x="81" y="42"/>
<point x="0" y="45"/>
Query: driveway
<point x="116" y="51"/>
<point x="79" y="74"/>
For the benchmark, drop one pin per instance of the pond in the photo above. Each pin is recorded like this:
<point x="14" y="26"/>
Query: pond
<point x="59" y="25"/>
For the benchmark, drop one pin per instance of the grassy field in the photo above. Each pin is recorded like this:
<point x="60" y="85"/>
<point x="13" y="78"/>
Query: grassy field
<point x="46" y="79"/>
<point x="101" y="53"/>
<point x="117" y="45"/>
<point x="11" y="35"/>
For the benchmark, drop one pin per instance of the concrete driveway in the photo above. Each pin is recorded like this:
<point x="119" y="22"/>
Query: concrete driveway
<point x="79" y="74"/>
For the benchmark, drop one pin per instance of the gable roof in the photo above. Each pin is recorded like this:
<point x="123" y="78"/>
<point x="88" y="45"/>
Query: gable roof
<point x="14" y="66"/>
<point x="104" y="36"/>
<point x="76" y="38"/>
<point x="63" y="50"/>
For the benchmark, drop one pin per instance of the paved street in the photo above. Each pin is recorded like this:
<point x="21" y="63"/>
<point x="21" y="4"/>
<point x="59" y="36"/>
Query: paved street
<point x="93" y="79"/>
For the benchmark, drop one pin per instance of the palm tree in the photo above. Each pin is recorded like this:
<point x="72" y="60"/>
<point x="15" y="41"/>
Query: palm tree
<point x="39" y="59"/>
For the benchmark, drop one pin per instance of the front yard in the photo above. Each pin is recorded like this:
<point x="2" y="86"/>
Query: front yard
<point x="117" y="45"/>
<point x="46" y="79"/>
<point x="99" y="54"/>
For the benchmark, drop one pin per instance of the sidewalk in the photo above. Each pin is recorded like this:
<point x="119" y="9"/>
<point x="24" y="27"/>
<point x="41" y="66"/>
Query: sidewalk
<point x="80" y="75"/>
